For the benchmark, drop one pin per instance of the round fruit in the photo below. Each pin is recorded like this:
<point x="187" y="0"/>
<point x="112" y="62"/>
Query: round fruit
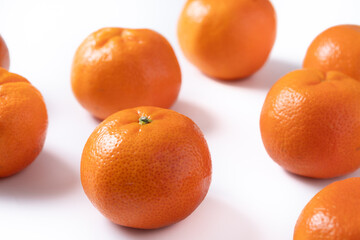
<point x="4" y="55"/>
<point x="310" y="123"/>
<point x="116" y="68"/>
<point x="146" y="167"/>
<point x="23" y="123"/>
<point x="228" y="39"/>
<point x="337" y="48"/>
<point x="333" y="214"/>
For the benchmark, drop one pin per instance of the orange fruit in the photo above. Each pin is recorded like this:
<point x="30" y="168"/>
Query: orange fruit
<point x="146" y="167"/>
<point x="332" y="214"/>
<point x="4" y="54"/>
<point x="116" y="68"/>
<point x="310" y="123"/>
<point x="337" y="48"/>
<point x="23" y="123"/>
<point x="227" y="39"/>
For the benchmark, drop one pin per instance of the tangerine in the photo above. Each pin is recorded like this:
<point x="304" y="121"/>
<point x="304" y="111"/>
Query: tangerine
<point x="336" y="48"/>
<point x="115" y="68"/>
<point x="228" y="39"/>
<point x="332" y="214"/>
<point x="310" y="123"/>
<point x="23" y="123"/>
<point x="4" y="55"/>
<point x="146" y="167"/>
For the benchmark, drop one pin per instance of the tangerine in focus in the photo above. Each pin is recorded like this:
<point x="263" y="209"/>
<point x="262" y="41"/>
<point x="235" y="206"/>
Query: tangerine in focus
<point x="227" y="39"/>
<point x="116" y="68"/>
<point x="23" y="123"/>
<point x="4" y="55"/>
<point x="310" y="123"/>
<point x="332" y="214"/>
<point x="337" y="48"/>
<point x="146" y="167"/>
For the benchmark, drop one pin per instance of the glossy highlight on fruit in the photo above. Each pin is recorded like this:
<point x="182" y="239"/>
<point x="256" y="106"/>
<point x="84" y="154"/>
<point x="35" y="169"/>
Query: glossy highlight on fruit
<point x="336" y="48"/>
<point x="23" y="123"/>
<point x="146" y="167"/>
<point x="228" y="39"/>
<point x="332" y="214"/>
<point x="310" y="123"/>
<point x="116" y="68"/>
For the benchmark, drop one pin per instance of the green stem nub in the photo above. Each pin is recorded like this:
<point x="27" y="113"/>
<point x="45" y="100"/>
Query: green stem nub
<point x="144" y="120"/>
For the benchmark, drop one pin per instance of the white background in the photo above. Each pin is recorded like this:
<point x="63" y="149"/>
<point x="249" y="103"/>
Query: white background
<point x="250" y="197"/>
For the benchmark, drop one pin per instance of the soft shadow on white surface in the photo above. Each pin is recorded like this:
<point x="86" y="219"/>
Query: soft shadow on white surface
<point x="212" y="220"/>
<point x="199" y="115"/>
<point x="272" y="71"/>
<point x="266" y="76"/>
<point x="94" y="119"/>
<point x="321" y="183"/>
<point x="48" y="176"/>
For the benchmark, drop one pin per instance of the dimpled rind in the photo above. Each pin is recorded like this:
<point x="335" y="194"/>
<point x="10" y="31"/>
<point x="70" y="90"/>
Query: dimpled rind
<point x="227" y="40"/>
<point x="146" y="176"/>
<point x="332" y="214"/>
<point x="23" y="123"/>
<point x="337" y="49"/>
<point x="310" y="123"/>
<point x="115" y="69"/>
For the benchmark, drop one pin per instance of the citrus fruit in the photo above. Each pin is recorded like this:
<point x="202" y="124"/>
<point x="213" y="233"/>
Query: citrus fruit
<point x="4" y="54"/>
<point x="337" y="48"/>
<point x="146" y="167"/>
<point x="332" y="214"/>
<point x="228" y="39"/>
<point x="310" y="123"/>
<point x="116" y="68"/>
<point x="23" y="123"/>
